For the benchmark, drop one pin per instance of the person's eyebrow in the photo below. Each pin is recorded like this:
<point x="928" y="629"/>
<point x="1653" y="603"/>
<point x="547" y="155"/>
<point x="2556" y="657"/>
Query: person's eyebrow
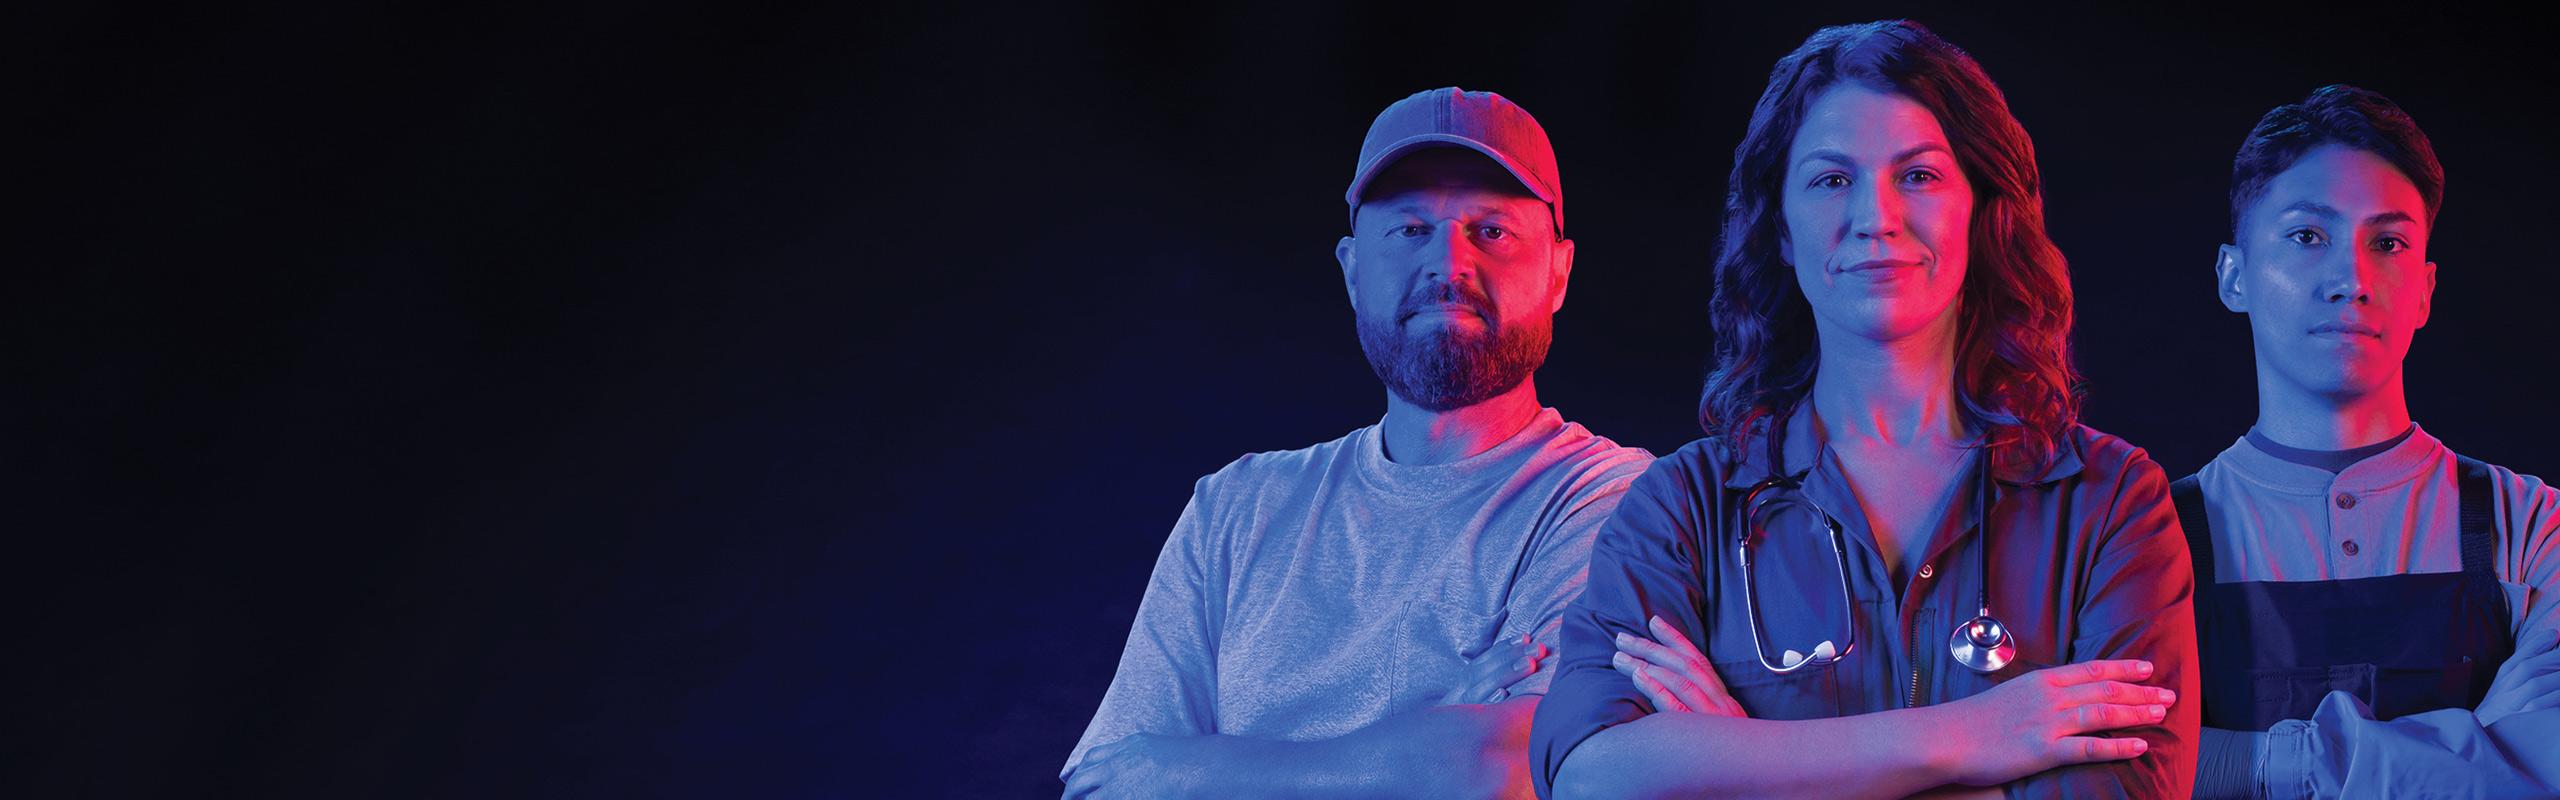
<point x="1923" y="147"/>
<point x="1417" y="210"/>
<point x="1406" y="208"/>
<point x="2310" y="207"/>
<point x="1836" y="157"/>
<point x="2390" y="216"/>
<point x="1827" y="154"/>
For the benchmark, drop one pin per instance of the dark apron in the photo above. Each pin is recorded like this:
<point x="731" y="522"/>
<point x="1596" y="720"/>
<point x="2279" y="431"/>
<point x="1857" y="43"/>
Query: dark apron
<point x="2400" y="643"/>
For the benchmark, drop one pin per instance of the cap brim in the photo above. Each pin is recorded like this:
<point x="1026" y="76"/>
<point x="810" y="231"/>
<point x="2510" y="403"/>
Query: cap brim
<point x="1369" y="172"/>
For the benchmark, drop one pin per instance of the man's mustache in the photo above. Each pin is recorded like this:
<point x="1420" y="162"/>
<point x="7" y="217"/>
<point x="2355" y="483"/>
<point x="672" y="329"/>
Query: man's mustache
<point x="1424" y="298"/>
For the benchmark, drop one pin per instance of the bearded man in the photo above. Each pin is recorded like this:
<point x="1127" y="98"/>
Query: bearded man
<point x="1367" y="616"/>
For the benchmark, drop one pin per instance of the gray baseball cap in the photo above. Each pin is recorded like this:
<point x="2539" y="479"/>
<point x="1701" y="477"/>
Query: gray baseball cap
<point x="1485" y="122"/>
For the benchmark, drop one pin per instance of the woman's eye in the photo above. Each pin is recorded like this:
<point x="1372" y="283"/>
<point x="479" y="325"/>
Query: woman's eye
<point x="2304" y="236"/>
<point x="1920" y="176"/>
<point x="1830" y="180"/>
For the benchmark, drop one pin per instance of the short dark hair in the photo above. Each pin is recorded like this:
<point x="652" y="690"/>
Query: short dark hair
<point x="2014" y="376"/>
<point x="2334" y="114"/>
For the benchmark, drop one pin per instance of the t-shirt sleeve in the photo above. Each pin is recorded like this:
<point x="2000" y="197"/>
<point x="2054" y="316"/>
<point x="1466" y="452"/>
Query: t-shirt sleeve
<point x="2140" y="604"/>
<point x="1557" y="560"/>
<point x="1167" y="681"/>
<point x="1642" y="564"/>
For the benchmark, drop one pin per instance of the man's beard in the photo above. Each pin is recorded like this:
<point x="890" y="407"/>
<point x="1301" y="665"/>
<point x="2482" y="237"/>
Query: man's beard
<point x="1448" y="368"/>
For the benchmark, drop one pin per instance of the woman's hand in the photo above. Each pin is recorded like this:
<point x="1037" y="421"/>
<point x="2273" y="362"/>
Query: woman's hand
<point x="2038" y="721"/>
<point x="1672" y="673"/>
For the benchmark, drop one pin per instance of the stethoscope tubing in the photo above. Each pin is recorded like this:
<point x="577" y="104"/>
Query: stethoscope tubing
<point x="1982" y="644"/>
<point x="1752" y="530"/>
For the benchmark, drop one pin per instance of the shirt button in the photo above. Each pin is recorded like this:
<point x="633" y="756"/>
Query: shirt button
<point x="1927" y="571"/>
<point x="2349" y="546"/>
<point x="2346" y="500"/>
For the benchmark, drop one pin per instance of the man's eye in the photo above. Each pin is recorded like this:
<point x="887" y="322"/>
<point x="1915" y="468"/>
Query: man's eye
<point x="1410" y="230"/>
<point x="1496" y="233"/>
<point x="2389" y="244"/>
<point x="2305" y="237"/>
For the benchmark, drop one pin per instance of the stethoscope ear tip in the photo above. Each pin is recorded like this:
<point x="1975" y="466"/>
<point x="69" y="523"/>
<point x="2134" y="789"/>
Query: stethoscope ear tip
<point x="1822" y="653"/>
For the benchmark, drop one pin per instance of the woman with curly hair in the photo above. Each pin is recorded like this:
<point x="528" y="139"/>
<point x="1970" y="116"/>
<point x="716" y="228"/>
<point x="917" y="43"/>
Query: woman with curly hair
<point x="1897" y="563"/>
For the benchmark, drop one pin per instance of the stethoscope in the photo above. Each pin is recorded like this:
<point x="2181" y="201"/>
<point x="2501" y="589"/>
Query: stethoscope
<point x="1982" y="644"/>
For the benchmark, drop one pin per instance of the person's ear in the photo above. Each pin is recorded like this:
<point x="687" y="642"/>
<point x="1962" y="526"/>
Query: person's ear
<point x="2427" y="299"/>
<point x="2227" y="263"/>
<point x="1347" y="256"/>
<point x="1559" y="273"/>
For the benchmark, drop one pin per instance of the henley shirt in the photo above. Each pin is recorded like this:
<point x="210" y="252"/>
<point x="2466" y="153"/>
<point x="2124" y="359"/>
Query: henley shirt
<point x="2393" y="513"/>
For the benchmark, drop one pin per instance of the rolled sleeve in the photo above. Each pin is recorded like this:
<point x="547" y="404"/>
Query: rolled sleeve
<point x="2343" y="748"/>
<point x="2284" y="761"/>
<point x="2343" y="751"/>
<point x="2139" y="604"/>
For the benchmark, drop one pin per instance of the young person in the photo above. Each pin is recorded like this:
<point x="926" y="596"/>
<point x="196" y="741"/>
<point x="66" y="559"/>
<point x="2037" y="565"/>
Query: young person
<point x="2376" y="612"/>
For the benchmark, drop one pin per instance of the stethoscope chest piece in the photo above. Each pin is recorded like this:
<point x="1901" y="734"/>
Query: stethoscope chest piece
<point x="1983" y="645"/>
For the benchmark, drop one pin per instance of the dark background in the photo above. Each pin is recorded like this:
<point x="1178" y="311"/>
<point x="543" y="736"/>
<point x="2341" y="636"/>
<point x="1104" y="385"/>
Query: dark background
<point x="617" y="402"/>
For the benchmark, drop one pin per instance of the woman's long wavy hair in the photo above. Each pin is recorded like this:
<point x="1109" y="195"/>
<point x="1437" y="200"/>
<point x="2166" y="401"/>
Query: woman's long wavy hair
<point x="2013" y="351"/>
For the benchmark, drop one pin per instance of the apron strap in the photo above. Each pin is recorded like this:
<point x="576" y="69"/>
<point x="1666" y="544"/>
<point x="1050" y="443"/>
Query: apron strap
<point x="2479" y="523"/>
<point x="2189" y="498"/>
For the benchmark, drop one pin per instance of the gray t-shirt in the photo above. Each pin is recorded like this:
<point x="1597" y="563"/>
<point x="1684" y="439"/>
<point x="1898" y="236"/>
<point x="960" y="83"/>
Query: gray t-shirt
<point x="1310" y="593"/>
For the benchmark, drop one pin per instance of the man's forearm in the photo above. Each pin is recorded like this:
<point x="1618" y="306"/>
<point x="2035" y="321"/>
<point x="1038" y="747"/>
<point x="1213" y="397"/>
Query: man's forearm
<point x="1884" y="754"/>
<point x="2343" y="743"/>
<point x="2227" y="763"/>
<point x="1446" y="751"/>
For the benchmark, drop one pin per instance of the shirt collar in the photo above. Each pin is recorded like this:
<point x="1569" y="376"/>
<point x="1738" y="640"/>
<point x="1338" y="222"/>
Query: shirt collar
<point x="1751" y="464"/>
<point x="2403" y="461"/>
